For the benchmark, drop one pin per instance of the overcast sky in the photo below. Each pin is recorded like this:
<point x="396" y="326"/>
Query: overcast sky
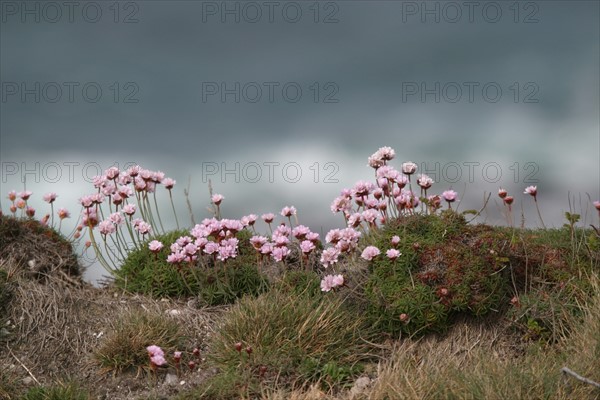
<point x="290" y="98"/>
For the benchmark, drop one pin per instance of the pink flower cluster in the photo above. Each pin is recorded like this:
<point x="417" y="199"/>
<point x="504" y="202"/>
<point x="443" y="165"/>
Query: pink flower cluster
<point x="121" y="189"/>
<point x="211" y="237"/>
<point x="283" y="237"/>
<point x="390" y="196"/>
<point x="331" y="282"/>
<point x="19" y="202"/>
<point x="342" y="241"/>
<point x="157" y="356"/>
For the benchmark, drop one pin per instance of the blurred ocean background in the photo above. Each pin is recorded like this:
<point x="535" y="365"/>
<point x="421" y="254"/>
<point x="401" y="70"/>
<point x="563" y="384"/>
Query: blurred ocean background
<point x="280" y="103"/>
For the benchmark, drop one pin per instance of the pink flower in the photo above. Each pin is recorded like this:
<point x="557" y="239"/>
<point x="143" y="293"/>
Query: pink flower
<point x="597" y="205"/>
<point x="169" y="183"/>
<point x="143" y="228"/>
<point x="190" y="249"/>
<point x="176" y="258"/>
<point x="425" y="181"/>
<point x="450" y="195"/>
<point x="434" y="201"/>
<point x="134" y="170"/>
<point x="146" y="174"/>
<point x="177" y="356"/>
<point x="158" y="360"/>
<point x="116" y="218"/>
<point x="129" y="209"/>
<point x="44" y="220"/>
<point x="112" y="173"/>
<point x="300" y="232"/>
<point x="117" y="199"/>
<point x="25" y="194"/>
<point x="409" y="168"/>
<point x="382" y="155"/>
<point x="370" y="252"/>
<point x="157" y="177"/>
<point x="268" y="217"/>
<point x="232" y="225"/>
<point x="329" y="256"/>
<point x="139" y="183"/>
<point x="338" y="280"/>
<point x="401" y="181"/>
<point x="354" y="220"/>
<point x="288" y="211"/>
<point x="30" y="211"/>
<point x="280" y="253"/>
<point x="63" y="213"/>
<point x="392" y="254"/>
<point x="362" y="188"/>
<point x="280" y="240"/>
<point x="217" y="199"/>
<point x="155" y="246"/>
<point x="370" y="216"/>
<point x="249" y="220"/>
<point x="266" y="248"/>
<point x="106" y="227"/>
<point x="125" y="192"/>
<point x="211" y="248"/>
<point x="509" y="200"/>
<point x="346" y="193"/>
<point x="307" y="246"/>
<point x="340" y="203"/>
<point x="49" y="197"/>
<point x="99" y="181"/>
<point x="258" y="241"/>
<point x="333" y="236"/>
<point x="375" y="161"/>
<point x="395" y="240"/>
<point x="97" y="198"/>
<point x="388" y="173"/>
<point x="89" y="217"/>
<point x="20" y="203"/>
<point x="155" y="350"/>
<point x="331" y="281"/>
<point x="313" y="237"/>
<point x="371" y="203"/>
<point x="531" y="190"/>
<point x="227" y="251"/>
<point x="12" y="195"/>
<point x="348" y="240"/>
<point x="502" y="193"/>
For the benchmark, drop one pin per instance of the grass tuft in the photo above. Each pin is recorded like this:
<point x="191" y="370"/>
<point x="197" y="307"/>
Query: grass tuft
<point x="125" y="346"/>
<point x="293" y="339"/>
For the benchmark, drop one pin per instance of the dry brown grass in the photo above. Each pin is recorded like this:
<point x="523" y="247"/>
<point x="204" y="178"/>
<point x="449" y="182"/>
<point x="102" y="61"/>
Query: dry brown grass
<point x="38" y="251"/>
<point x="56" y="327"/>
<point x="477" y="362"/>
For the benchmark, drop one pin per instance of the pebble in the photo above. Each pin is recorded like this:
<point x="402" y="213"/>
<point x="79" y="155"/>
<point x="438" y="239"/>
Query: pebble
<point x="360" y="385"/>
<point x="171" y="379"/>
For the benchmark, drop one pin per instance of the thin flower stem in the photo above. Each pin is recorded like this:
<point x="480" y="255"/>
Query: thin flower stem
<point x="173" y="206"/>
<point x="158" y="213"/>
<point x="99" y="253"/>
<point x="538" y="212"/>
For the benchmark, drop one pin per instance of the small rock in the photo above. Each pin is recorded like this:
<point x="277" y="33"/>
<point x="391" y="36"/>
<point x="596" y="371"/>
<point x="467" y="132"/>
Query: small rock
<point x="171" y="379"/>
<point x="360" y="385"/>
<point x="28" y="380"/>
